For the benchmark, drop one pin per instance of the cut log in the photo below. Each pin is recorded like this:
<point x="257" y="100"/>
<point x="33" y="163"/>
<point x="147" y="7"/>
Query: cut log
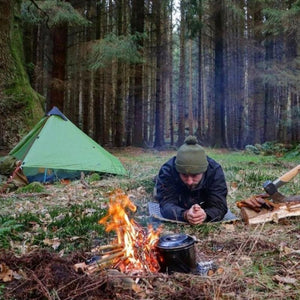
<point x="284" y="210"/>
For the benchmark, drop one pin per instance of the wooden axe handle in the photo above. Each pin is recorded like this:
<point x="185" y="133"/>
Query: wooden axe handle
<point x="290" y="174"/>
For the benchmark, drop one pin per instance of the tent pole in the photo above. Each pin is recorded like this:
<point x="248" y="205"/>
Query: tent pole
<point x="45" y="175"/>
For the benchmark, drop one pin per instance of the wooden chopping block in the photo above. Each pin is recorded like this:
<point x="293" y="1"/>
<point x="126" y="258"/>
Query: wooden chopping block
<point x="284" y="210"/>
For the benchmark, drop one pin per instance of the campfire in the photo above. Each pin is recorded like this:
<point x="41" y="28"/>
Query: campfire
<point x="133" y="250"/>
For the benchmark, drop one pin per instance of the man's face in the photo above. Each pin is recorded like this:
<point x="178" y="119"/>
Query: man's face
<point x="191" y="180"/>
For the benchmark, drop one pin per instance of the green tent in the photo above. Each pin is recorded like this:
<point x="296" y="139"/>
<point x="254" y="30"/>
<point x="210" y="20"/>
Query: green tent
<point x="55" y="148"/>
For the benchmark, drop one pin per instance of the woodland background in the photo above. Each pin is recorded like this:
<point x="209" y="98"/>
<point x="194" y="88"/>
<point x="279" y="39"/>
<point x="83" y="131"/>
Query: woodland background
<point x="148" y="73"/>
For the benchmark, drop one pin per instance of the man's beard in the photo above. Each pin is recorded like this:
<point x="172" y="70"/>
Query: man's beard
<point x="192" y="186"/>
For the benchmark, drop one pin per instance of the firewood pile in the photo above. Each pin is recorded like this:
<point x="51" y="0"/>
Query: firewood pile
<point x="258" y="209"/>
<point x="107" y="256"/>
<point x="113" y="256"/>
<point x="134" y="248"/>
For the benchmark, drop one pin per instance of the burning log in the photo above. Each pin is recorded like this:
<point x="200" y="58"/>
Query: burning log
<point x="99" y="263"/>
<point x="111" y="257"/>
<point x="107" y="247"/>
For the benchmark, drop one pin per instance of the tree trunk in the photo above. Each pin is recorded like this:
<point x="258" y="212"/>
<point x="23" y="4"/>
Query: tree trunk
<point x="137" y="26"/>
<point x="20" y="106"/>
<point x="164" y="72"/>
<point x="119" y="104"/>
<point x="234" y="73"/>
<point x="200" y="110"/>
<point x="219" y="134"/>
<point x="130" y="110"/>
<point x="59" y="35"/>
<point x="182" y="79"/>
<point x="269" y="119"/>
<point x="256" y="88"/>
<point x="158" y="142"/>
<point x="190" y="102"/>
<point x="98" y="105"/>
<point x="170" y="71"/>
<point x="293" y="112"/>
<point x="88" y="75"/>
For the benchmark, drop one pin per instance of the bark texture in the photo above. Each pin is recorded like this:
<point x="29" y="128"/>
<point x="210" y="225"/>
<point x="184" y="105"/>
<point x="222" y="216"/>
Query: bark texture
<point x="20" y="106"/>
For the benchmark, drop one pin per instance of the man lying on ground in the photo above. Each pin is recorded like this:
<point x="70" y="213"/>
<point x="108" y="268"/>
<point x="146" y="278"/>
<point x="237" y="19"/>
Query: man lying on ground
<point x="191" y="186"/>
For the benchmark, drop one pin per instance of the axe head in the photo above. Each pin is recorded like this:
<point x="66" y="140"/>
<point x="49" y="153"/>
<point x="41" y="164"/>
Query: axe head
<point x="271" y="189"/>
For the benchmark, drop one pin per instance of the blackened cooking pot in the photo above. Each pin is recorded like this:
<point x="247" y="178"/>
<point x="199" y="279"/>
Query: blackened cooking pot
<point x="176" y="253"/>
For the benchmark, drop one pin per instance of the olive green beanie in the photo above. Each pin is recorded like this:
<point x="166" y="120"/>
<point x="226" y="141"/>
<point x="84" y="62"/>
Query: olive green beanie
<point x="191" y="157"/>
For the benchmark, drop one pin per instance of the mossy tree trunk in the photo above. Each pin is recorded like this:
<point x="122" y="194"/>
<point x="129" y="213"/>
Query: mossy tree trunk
<point x="20" y="105"/>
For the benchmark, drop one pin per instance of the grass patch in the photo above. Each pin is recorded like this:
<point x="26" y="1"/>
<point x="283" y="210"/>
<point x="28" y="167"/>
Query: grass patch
<point x="33" y="187"/>
<point x="9" y="229"/>
<point x="2" y="288"/>
<point x="93" y="177"/>
<point x="78" y="223"/>
<point x="205" y="229"/>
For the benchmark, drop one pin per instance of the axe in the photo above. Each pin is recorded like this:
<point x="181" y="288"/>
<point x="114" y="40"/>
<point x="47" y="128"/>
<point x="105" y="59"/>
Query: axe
<point x="272" y="186"/>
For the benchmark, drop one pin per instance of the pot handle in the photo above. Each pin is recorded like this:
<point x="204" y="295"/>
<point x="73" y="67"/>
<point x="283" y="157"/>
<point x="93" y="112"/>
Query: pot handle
<point x="196" y="240"/>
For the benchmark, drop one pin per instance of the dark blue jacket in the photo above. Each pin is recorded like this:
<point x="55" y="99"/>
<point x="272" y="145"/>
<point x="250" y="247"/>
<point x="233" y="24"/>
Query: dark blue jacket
<point x="174" y="197"/>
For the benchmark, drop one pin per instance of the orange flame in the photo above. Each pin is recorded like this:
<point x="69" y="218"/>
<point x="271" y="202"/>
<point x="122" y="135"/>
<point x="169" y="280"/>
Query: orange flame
<point x="138" y="243"/>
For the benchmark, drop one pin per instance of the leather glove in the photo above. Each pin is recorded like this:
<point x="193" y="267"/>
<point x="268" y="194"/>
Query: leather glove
<point x="256" y="203"/>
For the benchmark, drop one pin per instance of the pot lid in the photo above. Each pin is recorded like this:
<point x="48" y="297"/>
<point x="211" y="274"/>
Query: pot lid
<point x="175" y="241"/>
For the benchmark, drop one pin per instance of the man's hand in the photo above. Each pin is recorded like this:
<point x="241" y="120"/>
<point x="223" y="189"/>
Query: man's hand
<point x="195" y="215"/>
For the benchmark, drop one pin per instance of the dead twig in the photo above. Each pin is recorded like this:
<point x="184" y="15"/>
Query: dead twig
<point x="83" y="182"/>
<point x="69" y="283"/>
<point x="44" y="290"/>
<point x="86" y="289"/>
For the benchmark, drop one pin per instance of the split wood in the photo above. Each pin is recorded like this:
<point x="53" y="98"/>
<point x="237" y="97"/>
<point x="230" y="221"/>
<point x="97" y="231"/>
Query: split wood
<point x="106" y="260"/>
<point x="282" y="211"/>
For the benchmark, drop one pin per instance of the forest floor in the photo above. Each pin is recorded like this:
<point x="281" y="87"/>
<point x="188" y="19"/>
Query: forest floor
<point x="44" y="233"/>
